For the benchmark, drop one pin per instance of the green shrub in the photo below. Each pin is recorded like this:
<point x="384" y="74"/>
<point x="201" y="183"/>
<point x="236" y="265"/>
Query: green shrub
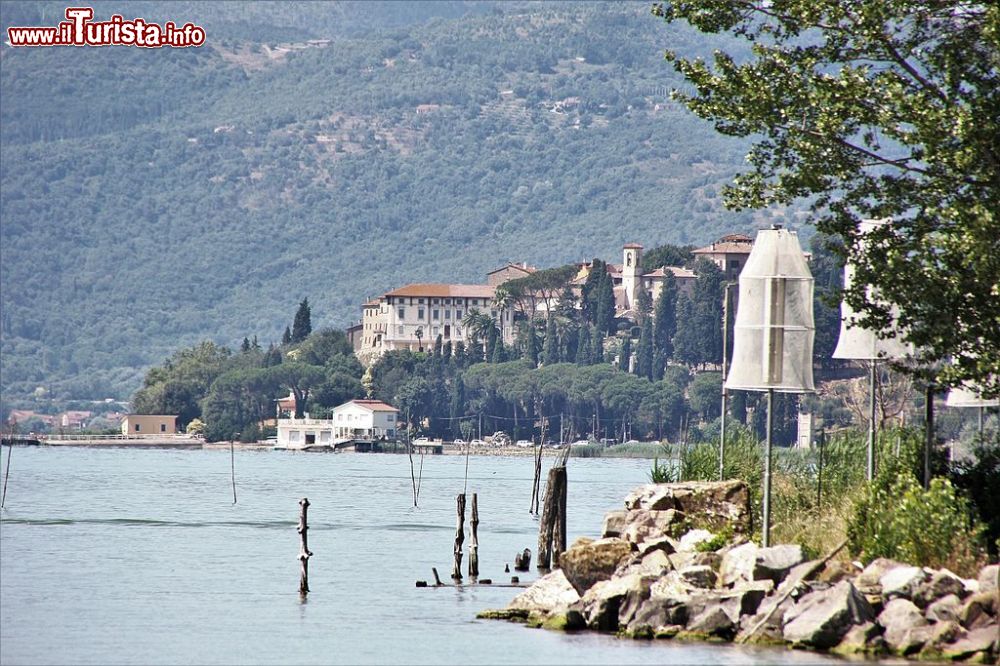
<point x="898" y="519"/>
<point x="979" y="479"/>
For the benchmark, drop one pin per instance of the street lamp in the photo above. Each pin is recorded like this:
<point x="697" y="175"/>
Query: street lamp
<point x="773" y="336"/>
<point x="863" y="344"/>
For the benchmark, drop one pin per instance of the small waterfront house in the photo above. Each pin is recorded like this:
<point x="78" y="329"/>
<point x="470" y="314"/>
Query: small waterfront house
<point x="139" y="425"/>
<point x="365" y="419"/>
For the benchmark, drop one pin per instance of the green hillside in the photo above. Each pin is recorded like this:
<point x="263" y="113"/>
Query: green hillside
<point x="153" y="198"/>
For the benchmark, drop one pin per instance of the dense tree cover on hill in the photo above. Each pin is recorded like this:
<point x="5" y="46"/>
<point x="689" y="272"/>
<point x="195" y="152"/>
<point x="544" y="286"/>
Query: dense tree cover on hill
<point x="154" y="199"/>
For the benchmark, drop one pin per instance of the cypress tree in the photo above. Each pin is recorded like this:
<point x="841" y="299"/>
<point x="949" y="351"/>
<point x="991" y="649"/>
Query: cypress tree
<point x="597" y="348"/>
<point x="665" y="317"/>
<point x="438" y="346"/>
<point x="246" y="345"/>
<point x="499" y="353"/>
<point x="532" y="344"/>
<point x="446" y="351"/>
<point x="460" y="353"/>
<point x="644" y="357"/>
<point x="589" y="291"/>
<point x="643" y="305"/>
<point x="605" y="305"/>
<point x="550" y="353"/>
<point x="286" y="339"/>
<point x="686" y="343"/>
<point x="583" y="352"/>
<point x="491" y="343"/>
<point x="626" y="354"/>
<point x="302" y="326"/>
<point x="659" y="364"/>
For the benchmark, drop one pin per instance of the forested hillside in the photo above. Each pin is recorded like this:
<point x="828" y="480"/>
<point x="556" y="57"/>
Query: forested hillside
<point x="150" y="199"/>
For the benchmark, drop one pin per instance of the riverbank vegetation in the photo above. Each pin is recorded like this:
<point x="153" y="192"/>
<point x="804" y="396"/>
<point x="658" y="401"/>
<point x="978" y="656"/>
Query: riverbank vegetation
<point x="820" y="496"/>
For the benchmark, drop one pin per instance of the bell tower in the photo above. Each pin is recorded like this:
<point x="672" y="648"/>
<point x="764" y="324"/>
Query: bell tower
<point x="632" y="272"/>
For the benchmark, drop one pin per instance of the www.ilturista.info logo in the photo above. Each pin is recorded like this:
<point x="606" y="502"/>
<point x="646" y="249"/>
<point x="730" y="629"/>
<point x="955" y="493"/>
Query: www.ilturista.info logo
<point x="79" y="30"/>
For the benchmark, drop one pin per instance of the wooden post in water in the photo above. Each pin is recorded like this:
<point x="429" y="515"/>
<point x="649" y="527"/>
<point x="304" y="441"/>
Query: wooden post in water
<point x="10" y="451"/>
<point x="456" y="573"/>
<point x="474" y="539"/>
<point x="559" y="531"/>
<point x="304" y="552"/>
<point x="232" y="468"/>
<point x="547" y="524"/>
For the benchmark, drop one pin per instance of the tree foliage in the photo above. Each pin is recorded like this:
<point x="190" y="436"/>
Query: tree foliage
<point x="874" y="109"/>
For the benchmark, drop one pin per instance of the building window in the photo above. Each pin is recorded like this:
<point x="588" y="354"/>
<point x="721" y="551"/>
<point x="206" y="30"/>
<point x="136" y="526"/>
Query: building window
<point x="420" y="301"/>
<point x="399" y="330"/>
<point x="437" y="301"/>
<point x="401" y="312"/>
<point x="436" y="314"/>
<point x="458" y="314"/>
<point x="447" y="301"/>
<point x="447" y="314"/>
<point x="390" y="417"/>
<point x="137" y="427"/>
<point x="163" y="427"/>
<point x="420" y="314"/>
<point x="435" y="331"/>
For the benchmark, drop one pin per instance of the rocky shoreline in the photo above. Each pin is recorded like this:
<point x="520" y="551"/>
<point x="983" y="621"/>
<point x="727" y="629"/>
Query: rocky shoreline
<point x="676" y="563"/>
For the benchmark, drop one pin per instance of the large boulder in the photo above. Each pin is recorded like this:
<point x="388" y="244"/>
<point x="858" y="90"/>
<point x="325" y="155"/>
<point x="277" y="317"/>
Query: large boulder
<point x="601" y="604"/>
<point x="646" y="525"/>
<point x="614" y="524"/>
<point x="549" y="594"/>
<point x="711" y="505"/>
<point x="747" y="562"/>
<point x="903" y="582"/>
<point x="588" y="563"/>
<point x="822" y="619"/>
<point x="941" y="584"/>
<point x="867" y="581"/>
<point x="983" y="640"/>
<point x="979" y="610"/>
<point x="906" y="630"/>
<point x="945" y="609"/>
<point x="713" y="621"/>
<point x="699" y="576"/>
<point x="989" y="578"/>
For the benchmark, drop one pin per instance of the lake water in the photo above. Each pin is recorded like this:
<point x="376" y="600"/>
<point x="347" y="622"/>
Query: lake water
<point x="139" y="556"/>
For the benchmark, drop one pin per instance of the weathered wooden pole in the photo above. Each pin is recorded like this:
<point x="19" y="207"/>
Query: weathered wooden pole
<point x="456" y="573"/>
<point x="546" y="526"/>
<point x="304" y="552"/>
<point x="232" y="468"/>
<point x="10" y="451"/>
<point x="559" y="532"/>
<point x="474" y="539"/>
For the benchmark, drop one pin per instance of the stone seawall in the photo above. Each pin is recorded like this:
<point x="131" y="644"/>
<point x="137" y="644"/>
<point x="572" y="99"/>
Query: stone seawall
<point x="676" y="563"/>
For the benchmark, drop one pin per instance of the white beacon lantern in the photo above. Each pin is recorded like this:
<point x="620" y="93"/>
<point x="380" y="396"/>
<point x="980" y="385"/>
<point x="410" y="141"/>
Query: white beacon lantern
<point x="774" y="331"/>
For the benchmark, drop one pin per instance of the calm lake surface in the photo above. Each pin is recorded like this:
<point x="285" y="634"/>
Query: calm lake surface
<point x="138" y="556"/>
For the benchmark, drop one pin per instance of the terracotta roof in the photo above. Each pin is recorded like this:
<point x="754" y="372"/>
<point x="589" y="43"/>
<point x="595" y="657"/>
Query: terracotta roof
<point x="375" y="302"/>
<point x="632" y="246"/>
<point x="374" y="405"/>
<point x="525" y="268"/>
<point x="676" y="270"/>
<point x="439" y="290"/>
<point x="730" y="246"/>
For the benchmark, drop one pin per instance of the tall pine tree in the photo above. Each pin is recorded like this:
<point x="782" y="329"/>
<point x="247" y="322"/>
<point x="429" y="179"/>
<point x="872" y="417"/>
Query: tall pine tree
<point x="644" y="356"/>
<point x="531" y="344"/>
<point x="625" y="354"/>
<point x="665" y="317"/>
<point x="550" y="352"/>
<point x="584" y="355"/>
<point x="302" y="326"/>
<point x="686" y="342"/>
<point x="643" y="305"/>
<point x="605" y="314"/>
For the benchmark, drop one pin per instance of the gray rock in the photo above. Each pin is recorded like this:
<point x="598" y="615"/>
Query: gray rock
<point x="549" y="594"/>
<point x="902" y="582"/>
<point x="586" y="564"/>
<point x="983" y="639"/>
<point x="667" y="544"/>
<point x="655" y="563"/>
<point x="867" y="581"/>
<point x="614" y="523"/>
<point x="821" y="619"/>
<point x="658" y="613"/>
<point x="648" y="524"/>
<point x="945" y="609"/>
<point x="738" y="564"/>
<point x="864" y="638"/>
<point x="601" y="604"/>
<point x="775" y="562"/>
<point x="979" y="610"/>
<point x="690" y="541"/>
<point x="711" y="505"/>
<point x="941" y="584"/>
<point x="699" y="576"/>
<point x="905" y="626"/>
<point x="713" y="621"/>
<point x="988" y="578"/>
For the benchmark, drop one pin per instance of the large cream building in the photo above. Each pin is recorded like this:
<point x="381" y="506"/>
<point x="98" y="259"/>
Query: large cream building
<point x="413" y="316"/>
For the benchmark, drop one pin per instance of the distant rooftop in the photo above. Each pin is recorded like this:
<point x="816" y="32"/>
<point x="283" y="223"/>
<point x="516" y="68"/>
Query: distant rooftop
<point x="445" y="290"/>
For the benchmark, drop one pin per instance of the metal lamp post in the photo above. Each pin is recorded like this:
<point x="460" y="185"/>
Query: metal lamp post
<point x="773" y="336"/>
<point x="863" y="344"/>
